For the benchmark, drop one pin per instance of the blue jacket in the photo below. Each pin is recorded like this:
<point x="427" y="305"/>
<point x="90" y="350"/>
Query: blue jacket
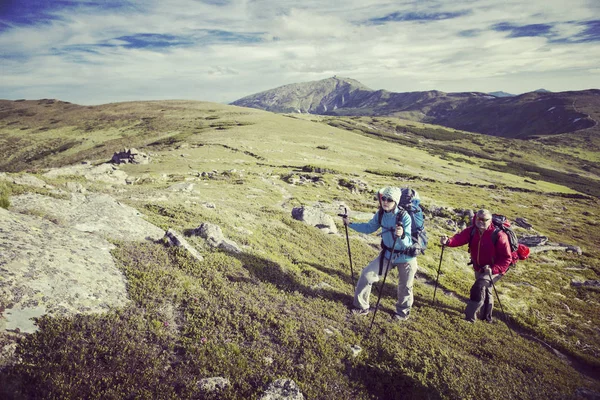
<point x="388" y="229"/>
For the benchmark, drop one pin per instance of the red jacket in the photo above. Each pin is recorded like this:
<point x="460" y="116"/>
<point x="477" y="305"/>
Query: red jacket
<point x="483" y="251"/>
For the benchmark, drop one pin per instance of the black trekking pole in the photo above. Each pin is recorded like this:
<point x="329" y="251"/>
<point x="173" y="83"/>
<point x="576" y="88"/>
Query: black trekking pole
<point x="438" y="272"/>
<point x="499" y="302"/>
<point x="382" y="286"/>
<point x="344" y="215"/>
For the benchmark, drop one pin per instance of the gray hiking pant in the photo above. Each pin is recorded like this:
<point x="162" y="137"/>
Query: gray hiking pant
<point x="481" y="301"/>
<point x="370" y="275"/>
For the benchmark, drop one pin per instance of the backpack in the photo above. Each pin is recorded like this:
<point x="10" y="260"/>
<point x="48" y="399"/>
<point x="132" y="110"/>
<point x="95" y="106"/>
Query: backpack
<point x="501" y="223"/>
<point x="410" y="203"/>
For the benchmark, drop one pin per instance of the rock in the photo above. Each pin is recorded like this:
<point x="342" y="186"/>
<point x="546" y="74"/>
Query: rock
<point x="283" y="389"/>
<point x="533" y="241"/>
<point x="95" y="213"/>
<point x="522" y="222"/>
<point x="211" y="232"/>
<point x="214" y="237"/>
<point x="229" y="246"/>
<point x="316" y="218"/>
<point x="209" y="385"/>
<point x="588" y="284"/>
<point x="25" y="180"/>
<point x="107" y="173"/>
<point x="182" y="187"/>
<point x="175" y="239"/>
<point x="132" y="156"/>
<point x="53" y="269"/>
<point x="355" y="349"/>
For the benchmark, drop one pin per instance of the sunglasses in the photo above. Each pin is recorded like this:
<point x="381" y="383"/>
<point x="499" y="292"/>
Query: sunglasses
<point x="483" y="219"/>
<point x="387" y="199"/>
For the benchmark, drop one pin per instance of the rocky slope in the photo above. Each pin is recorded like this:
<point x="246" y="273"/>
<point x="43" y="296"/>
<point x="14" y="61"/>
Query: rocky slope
<point x="535" y="113"/>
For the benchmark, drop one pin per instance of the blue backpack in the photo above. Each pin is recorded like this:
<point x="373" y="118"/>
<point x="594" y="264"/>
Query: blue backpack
<point x="410" y="202"/>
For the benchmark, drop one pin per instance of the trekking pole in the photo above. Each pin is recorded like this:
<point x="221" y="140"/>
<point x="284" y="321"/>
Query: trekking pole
<point x="438" y="272"/>
<point x="344" y="215"/>
<point x="382" y="285"/>
<point x="501" y="308"/>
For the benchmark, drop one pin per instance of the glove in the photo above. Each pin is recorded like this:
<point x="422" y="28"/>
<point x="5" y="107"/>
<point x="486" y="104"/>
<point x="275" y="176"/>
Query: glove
<point x="444" y="240"/>
<point x="486" y="270"/>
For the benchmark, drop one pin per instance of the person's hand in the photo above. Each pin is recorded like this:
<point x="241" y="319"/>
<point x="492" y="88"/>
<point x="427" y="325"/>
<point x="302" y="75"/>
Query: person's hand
<point x="486" y="270"/>
<point x="346" y="220"/>
<point x="444" y="240"/>
<point x="399" y="230"/>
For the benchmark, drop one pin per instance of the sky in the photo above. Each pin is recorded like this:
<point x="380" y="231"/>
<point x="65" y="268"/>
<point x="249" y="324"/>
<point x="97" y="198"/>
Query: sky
<point x="93" y="52"/>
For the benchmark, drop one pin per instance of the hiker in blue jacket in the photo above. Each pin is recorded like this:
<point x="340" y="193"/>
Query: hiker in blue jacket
<point x="395" y="226"/>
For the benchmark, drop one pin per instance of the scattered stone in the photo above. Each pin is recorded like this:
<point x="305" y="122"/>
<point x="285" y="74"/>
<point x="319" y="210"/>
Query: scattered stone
<point x="533" y="241"/>
<point x="522" y="222"/>
<point x="130" y="156"/>
<point x="283" y="389"/>
<point x="210" y="385"/>
<point x="229" y="246"/>
<point x="211" y="232"/>
<point x="182" y="187"/>
<point x="175" y="239"/>
<point x="268" y="360"/>
<point x="356" y="349"/>
<point x="587" y="284"/>
<point x="316" y="218"/>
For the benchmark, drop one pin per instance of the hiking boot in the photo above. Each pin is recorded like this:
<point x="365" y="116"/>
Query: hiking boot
<point x="469" y="320"/>
<point x="360" y="311"/>
<point x="399" y="317"/>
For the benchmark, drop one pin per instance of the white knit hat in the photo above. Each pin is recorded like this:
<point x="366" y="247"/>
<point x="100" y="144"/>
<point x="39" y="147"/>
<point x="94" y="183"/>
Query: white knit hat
<point x="392" y="192"/>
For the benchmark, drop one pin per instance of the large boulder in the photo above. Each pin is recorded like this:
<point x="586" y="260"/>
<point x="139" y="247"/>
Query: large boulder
<point x="316" y="218"/>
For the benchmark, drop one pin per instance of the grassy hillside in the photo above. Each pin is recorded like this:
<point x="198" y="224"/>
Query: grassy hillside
<point x="280" y="308"/>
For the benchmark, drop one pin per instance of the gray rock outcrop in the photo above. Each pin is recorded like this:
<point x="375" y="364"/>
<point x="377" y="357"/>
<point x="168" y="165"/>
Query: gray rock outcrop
<point x="46" y="268"/>
<point x="316" y="218"/>
<point x="107" y="173"/>
<point x="283" y="389"/>
<point x="96" y="213"/>
<point x="210" y="385"/>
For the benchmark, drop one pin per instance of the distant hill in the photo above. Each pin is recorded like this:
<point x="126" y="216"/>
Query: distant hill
<point x="534" y="113"/>
<point x="501" y="94"/>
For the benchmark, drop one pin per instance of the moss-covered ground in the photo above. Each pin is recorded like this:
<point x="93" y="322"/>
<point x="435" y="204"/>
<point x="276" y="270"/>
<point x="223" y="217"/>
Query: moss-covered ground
<point x="281" y="307"/>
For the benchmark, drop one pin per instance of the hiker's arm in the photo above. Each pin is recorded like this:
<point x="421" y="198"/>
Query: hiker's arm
<point x="502" y="255"/>
<point x="404" y="238"/>
<point x="366" y="227"/>
<point x="461" y="238"/>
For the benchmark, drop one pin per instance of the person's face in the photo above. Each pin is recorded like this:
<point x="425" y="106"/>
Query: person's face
<point x="387" y="203"/>
<point x="483" y="221"/>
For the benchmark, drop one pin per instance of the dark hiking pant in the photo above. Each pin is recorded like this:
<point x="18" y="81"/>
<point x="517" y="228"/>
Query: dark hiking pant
<point x="481" y="300"/>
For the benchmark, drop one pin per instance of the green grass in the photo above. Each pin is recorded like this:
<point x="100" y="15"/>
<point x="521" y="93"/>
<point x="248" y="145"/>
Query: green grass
<point x="280" y="308"/>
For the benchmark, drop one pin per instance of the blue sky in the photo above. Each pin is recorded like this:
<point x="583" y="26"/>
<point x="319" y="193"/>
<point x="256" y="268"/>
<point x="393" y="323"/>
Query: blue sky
<point x="103" y="51"/>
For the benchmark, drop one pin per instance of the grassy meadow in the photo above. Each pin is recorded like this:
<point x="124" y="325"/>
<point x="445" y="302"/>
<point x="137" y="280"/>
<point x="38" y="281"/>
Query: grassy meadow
<point x="280" y="308"/>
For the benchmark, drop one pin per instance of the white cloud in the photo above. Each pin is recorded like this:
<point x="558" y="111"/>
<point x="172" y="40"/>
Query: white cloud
<point x="81" y="58"/>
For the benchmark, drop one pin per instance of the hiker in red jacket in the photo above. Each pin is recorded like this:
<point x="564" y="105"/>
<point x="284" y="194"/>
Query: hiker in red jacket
<point x="490" y="262"/>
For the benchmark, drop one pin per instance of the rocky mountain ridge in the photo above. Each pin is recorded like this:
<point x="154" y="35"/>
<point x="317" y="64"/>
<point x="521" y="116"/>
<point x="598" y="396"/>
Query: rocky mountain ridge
<point x="534" y="113"/>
